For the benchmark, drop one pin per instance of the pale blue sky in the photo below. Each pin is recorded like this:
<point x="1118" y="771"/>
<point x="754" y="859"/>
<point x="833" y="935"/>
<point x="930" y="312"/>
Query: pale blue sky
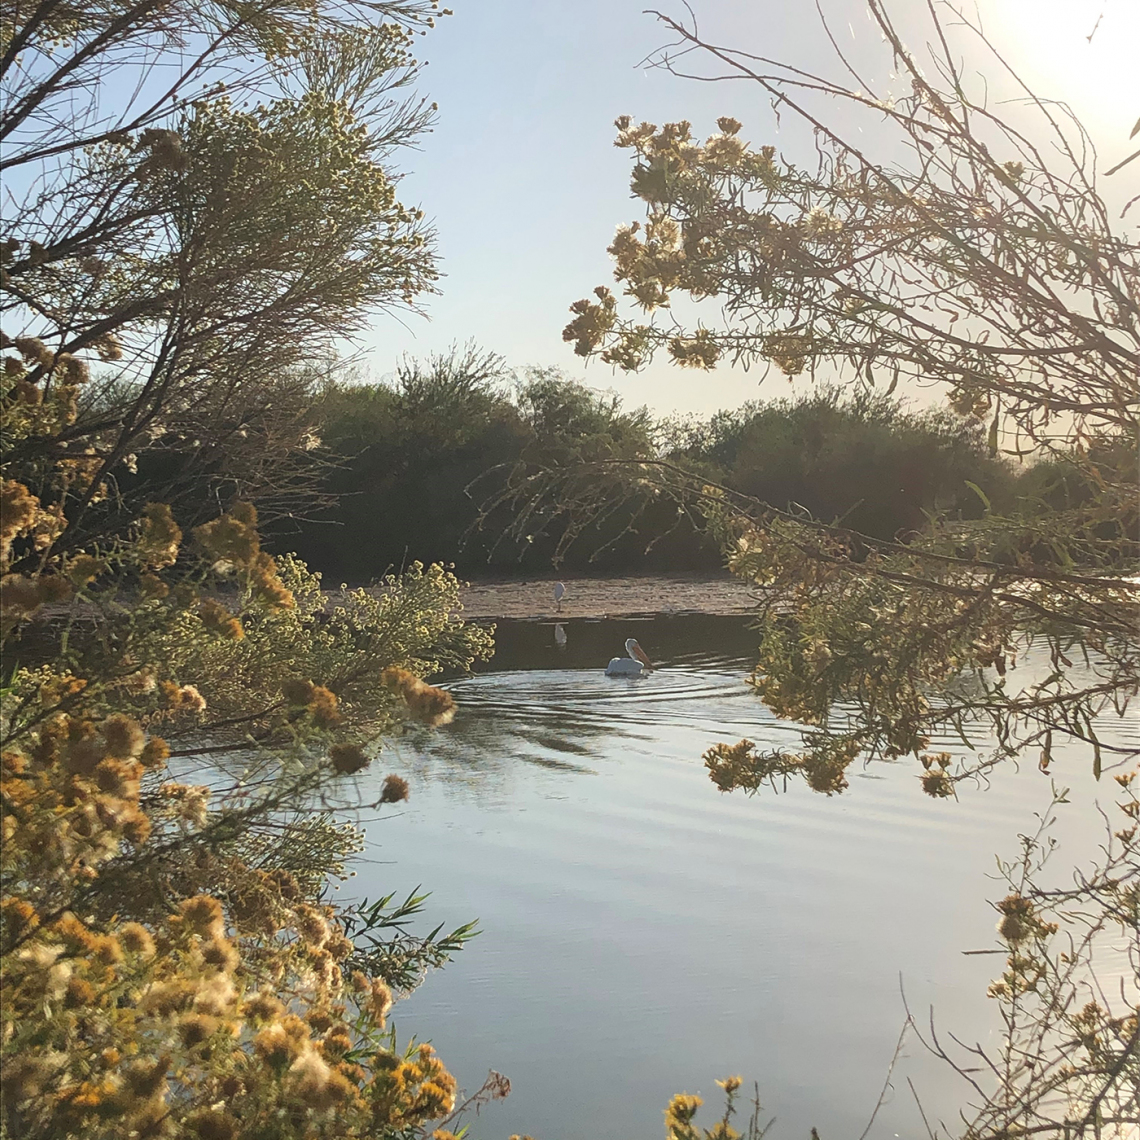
<point x="526" y="188"/>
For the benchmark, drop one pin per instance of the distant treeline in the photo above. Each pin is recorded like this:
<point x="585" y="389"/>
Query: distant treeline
<point x="410" y="463"/>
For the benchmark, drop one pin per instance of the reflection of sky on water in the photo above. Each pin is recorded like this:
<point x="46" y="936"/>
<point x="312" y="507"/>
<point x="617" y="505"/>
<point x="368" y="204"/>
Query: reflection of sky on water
<point x="645" y="934"/>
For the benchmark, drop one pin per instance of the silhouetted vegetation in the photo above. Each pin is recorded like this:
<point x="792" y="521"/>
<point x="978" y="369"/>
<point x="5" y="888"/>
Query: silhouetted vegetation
<point x="862" y="459"/>
<point x="412" y="461"/>
<point x="409" y="461"/>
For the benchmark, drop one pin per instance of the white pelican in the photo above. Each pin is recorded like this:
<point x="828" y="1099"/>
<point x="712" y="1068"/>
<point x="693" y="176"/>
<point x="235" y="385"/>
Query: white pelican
<point x="633" y="665"/>
<point x="559" y="592"/>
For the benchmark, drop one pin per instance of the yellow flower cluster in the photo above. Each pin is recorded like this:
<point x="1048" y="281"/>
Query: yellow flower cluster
<point x="937" y="780"/>
<point x="703" y="236"/>
<point x="22" y="517"/>
<point x="1020" y="920"/>
<point x="20" y="597"/>
<point x="592" y="321"/>
<point x="697" y="351"/>
<point x="136" y="1019"/>
<point x="232" y="539"/>
<point x="163" y="973"/>
<point x="823" y="768"/>
<point x="970" y="400"/>
<point x="18" y="511"/>
<point x="159" y="538"/>
<point x="427" y="703"/>
<point x="41" y="387"/>
<point x="317" y="700"/>
<point x="413" y="1089"/>
<point x="683" y="1109"/>
<point x="74" y="798"/>
<point x="788" y="351"/>
<point x="216" y="618"/>
<point x="116" y="1028"/>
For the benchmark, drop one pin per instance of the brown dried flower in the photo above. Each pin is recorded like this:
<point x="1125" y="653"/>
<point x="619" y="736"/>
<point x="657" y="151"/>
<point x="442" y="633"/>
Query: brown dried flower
<point x="348" y="758"/>
<point x="395" y="790"/>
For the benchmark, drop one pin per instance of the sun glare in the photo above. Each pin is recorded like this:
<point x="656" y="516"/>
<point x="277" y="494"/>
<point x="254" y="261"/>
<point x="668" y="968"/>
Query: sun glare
<point x="1081" y="52"/>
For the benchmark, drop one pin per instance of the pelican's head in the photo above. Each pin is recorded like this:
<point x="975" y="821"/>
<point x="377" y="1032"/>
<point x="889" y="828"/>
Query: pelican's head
<point x="637" y="653"/>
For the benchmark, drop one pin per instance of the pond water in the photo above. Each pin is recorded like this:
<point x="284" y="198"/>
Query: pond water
<point x="645" y="934"/>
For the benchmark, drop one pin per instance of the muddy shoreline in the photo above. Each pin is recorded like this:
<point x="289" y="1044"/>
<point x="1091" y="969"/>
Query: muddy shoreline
<point x="595" y="598"/>
<point x="532" y="599"/>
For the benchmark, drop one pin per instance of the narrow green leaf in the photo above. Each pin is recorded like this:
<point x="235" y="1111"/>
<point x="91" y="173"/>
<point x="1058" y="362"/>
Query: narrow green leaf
<point x="981" y="495"/>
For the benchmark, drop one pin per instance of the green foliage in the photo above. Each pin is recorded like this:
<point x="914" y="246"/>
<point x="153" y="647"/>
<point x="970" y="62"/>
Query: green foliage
<point x="385" y="947"/>
<point x="183" y="715"/>
<point x="865" y="461"/>
<point x="190" y="252"/>
<point x="415" y="465"/>
<point x="399" y="459"/>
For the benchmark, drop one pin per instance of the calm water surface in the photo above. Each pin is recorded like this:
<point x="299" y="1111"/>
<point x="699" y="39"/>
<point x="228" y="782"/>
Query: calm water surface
<point x="645" y="934"/>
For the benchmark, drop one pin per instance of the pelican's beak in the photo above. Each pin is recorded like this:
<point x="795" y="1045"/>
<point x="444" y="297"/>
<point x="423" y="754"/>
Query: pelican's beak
<point x="639" y="653"/>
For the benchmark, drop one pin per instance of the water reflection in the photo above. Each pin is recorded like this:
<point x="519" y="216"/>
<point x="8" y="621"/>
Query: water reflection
<point x="645" y="934"/>
<point x="677" y="640"/>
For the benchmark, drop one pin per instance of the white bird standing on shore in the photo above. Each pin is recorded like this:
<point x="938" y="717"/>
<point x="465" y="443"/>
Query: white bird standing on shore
<point x="559" y="593"/>
<point x="633" y="665"/>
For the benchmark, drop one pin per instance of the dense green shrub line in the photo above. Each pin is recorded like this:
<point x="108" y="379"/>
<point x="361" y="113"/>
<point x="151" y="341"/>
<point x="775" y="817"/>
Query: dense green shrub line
<point x="412" y="460"/>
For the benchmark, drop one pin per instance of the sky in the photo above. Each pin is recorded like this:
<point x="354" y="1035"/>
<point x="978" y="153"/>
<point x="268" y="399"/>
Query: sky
<point x="525" y="187"/>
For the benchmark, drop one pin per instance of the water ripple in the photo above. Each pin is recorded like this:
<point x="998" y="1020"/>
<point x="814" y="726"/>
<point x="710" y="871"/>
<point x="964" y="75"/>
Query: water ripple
<point x="625" y="899"/>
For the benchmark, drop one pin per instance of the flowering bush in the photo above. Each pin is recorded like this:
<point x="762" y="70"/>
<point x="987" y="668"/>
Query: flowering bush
<point x="167" y="969"/>
<point x="181" y="718"/>
<point x="936" y="241"/>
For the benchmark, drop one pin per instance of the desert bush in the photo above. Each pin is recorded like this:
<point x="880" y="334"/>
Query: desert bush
<point x="942" y="237"/>
<point x="182" y="721"/>
<point x="171" y="965"/>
